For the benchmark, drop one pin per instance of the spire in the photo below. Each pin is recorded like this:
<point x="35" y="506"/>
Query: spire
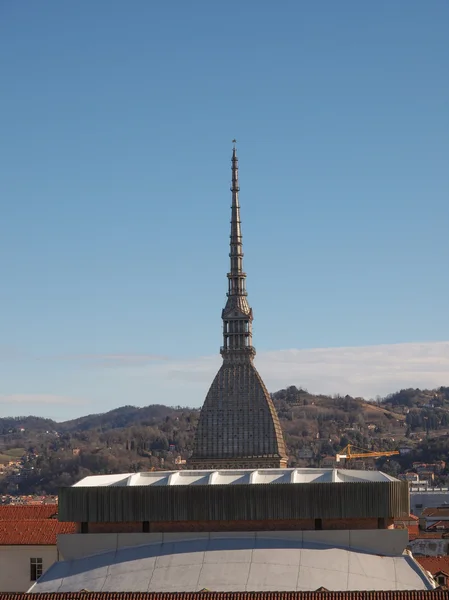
<point x="237" y="315"/>
<point x="238" y="426"/>
<point x="236" y="253"/>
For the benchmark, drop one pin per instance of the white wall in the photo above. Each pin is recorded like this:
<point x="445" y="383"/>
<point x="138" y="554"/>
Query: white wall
<point x="391" y="542"/>
<point x="15" y="565"/>
<point x="429" y="547"/>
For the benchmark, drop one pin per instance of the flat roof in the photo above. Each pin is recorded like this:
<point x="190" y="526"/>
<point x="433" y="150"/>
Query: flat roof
<point x="234" y="476"/>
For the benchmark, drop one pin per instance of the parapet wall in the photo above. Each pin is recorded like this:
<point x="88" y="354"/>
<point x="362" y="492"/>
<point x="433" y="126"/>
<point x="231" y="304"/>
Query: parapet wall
<point x="389" y="542"/>
<point x="217" y="526"/>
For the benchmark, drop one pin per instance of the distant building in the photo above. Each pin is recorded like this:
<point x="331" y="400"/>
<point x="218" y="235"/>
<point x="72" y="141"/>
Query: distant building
<point x="305" y="453"/>
<point x="422" y="496"/>
<point x="404" y="450"/>
<point x="235" y="530"/>
<point x="238" y="425"/>
<point x="410" y="477"/>
<point x="411" y="523"/>
<point x="437" y="566"/>
<point x="28" y="536"/>
<point x="430" y="516"/>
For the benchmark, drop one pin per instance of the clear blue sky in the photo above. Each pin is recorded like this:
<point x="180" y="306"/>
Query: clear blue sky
<point x="116" y="127"/>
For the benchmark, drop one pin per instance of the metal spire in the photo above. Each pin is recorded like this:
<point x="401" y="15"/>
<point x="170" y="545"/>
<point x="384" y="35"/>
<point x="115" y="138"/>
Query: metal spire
<point x="236" y="250"/>
<point x="237" y="315"/>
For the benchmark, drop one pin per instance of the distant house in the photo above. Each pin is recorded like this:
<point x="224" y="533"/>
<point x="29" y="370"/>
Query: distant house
<point x="438" y="566"/>
<point x="411" y="523"/>
<point x="404" y="450"/>
<point x="411" y="477"/>
<point x="426" y="475"/>
<point x="439" y="526"/>
<point x="305" y="453"/>
<point x="431" y="516"/>
<point x="28" y="537"/>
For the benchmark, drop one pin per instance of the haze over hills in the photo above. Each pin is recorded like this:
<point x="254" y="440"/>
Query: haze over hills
<point x="48" y="454"/>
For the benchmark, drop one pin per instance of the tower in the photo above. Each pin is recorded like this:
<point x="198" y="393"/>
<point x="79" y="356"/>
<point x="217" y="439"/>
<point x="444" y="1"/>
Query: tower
<point x="238" y="425"/>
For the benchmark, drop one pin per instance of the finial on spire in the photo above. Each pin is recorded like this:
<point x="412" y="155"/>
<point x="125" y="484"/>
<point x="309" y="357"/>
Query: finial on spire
<point x="235" y="175"/>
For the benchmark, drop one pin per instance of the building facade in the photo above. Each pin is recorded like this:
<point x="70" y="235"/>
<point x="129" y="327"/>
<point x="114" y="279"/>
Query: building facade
<point x="28" y="544"/>
<point x="238" y="425"/>
<point x="235" y="530"/>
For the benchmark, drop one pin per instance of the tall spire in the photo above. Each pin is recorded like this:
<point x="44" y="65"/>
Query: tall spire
<point x="236" y="276"/>
<point x="237" y="315"/>
<point x="238" y="426"/>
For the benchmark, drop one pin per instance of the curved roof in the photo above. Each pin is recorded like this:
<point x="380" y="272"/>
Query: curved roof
<point x="233" y="563"/>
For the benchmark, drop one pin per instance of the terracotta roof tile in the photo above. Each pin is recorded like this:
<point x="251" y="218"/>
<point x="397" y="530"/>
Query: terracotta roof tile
<point x="32" y="532"/>
<point x="438" y="525"/>
<point x="439" y="511"/>
<point x="18" y="513"/>
<point x="438" y="594"/>
<point x="434" y="563"/>
<point x="426" y="535"/>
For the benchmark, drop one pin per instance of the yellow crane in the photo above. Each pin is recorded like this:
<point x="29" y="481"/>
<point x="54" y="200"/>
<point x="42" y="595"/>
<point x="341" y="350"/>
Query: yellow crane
<point x="348" y="453"/>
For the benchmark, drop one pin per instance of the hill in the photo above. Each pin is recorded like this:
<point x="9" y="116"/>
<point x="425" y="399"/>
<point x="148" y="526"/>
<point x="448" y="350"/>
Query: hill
<point x="46" y="454"/>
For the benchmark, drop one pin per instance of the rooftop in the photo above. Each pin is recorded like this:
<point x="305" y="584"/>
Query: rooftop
<point x="426" y="535"/>
<point x="235" y="562"/>
<point x="234" y="476"/>
<point x="434" y="564"/>
<point x="441" y="525"/>
<point x="439" y="511"/>
<point x="32" y="532"/>
<point x="438" y="594"/>
<point x="19" y="513"/>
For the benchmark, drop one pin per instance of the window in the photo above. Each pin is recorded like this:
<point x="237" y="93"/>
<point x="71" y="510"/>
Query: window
<point x="35" y="568"/>
<point x="441" y="579"/>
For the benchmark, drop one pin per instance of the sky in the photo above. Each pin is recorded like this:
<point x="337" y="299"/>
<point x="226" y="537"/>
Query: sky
<point x="116" y="125"/>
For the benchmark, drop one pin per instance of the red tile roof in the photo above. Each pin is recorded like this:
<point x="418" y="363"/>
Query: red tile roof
<point x="438" y="594"/>
<point x="32" y="532"/>
<point x="439" y="525"/>
<point x="426" y="535"/>
<point x="434" y="564"/>
<point x="19" y="513"/>
<point x="439" y="511"/>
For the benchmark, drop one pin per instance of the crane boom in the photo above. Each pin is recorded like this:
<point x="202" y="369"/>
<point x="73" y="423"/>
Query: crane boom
<point x="347" y="453"/>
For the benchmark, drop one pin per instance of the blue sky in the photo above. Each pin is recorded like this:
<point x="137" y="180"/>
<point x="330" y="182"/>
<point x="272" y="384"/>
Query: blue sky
<point x="117" y="120"/>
